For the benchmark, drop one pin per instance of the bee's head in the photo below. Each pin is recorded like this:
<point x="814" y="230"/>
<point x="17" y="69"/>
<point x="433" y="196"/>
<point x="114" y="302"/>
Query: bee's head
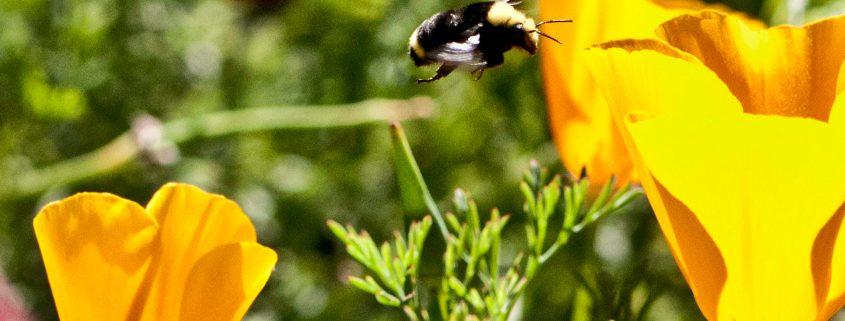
<point x="527" y="35"/>
<point x="533" y="33"/>
<point x="530" y="35"/>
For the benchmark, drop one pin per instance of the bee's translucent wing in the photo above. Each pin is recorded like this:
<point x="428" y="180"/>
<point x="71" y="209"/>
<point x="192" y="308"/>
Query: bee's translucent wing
<point x="464" y="52"/>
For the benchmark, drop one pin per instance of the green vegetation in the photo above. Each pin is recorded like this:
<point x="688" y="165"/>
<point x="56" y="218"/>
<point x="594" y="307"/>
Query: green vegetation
<point x="124" y="96"/>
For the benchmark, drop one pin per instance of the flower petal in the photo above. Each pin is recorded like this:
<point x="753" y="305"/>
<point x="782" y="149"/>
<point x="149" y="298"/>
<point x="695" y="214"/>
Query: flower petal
<point x="836" y="296"/>
<point x="837" y="112"/>
<point x="830" y="277"/>
<point x="650" y="76"/>
<point x="96" y="249"/>
<point x="193" y="223"/>
<point x="771" y="205"/>
<point x="225" y="281"/>
<point x="784" y="70"/>
<point x="583" y="130"/>
<point x="697" y="255"/>
<point x="580" y="121"/>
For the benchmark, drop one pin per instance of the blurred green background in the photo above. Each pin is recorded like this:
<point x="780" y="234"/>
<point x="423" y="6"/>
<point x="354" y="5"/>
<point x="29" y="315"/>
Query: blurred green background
<point x="76" y="74"/>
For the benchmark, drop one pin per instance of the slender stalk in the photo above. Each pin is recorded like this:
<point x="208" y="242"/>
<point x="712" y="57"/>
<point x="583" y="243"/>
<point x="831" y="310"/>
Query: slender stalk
<point x="795" y="11"/>
<point x="125" y="148"/>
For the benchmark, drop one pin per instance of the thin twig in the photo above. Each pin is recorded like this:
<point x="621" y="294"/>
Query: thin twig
<point x="126" y="148"/>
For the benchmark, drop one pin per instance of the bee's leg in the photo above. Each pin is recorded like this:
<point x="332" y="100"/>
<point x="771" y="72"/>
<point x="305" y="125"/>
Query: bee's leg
<point x="443" y="71"/>
<point x="478" y="73"/>
<point x="493" y="58"/>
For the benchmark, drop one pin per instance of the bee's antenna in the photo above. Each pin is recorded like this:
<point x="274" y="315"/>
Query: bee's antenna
<point x="545" y="22"/>
<point x="545" y="35"/>
<point x="552" y="21"/>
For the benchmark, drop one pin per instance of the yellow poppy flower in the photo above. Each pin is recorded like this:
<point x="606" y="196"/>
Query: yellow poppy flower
<point x="736" y="133"/>
<point x="579" y="116"/>
<point x="189" y="255"/>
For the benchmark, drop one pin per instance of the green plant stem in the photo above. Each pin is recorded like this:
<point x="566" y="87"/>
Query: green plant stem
<point x="416" y="199"/>
<point x="796" y="10"/>
<point x="125" y="148"/>
<point x="371" y="111"/>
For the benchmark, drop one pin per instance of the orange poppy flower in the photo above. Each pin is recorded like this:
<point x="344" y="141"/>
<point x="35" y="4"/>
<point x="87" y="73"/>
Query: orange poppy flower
<point x="578" y="113"/>
<point x="737" y="135"/>
<point x="189" y="255"/>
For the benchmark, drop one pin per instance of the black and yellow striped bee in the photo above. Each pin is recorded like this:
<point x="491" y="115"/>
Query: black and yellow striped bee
<point x="474" y="37"/>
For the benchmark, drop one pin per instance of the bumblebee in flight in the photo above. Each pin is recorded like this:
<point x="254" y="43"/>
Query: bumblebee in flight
<point x="474" y="37"/>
